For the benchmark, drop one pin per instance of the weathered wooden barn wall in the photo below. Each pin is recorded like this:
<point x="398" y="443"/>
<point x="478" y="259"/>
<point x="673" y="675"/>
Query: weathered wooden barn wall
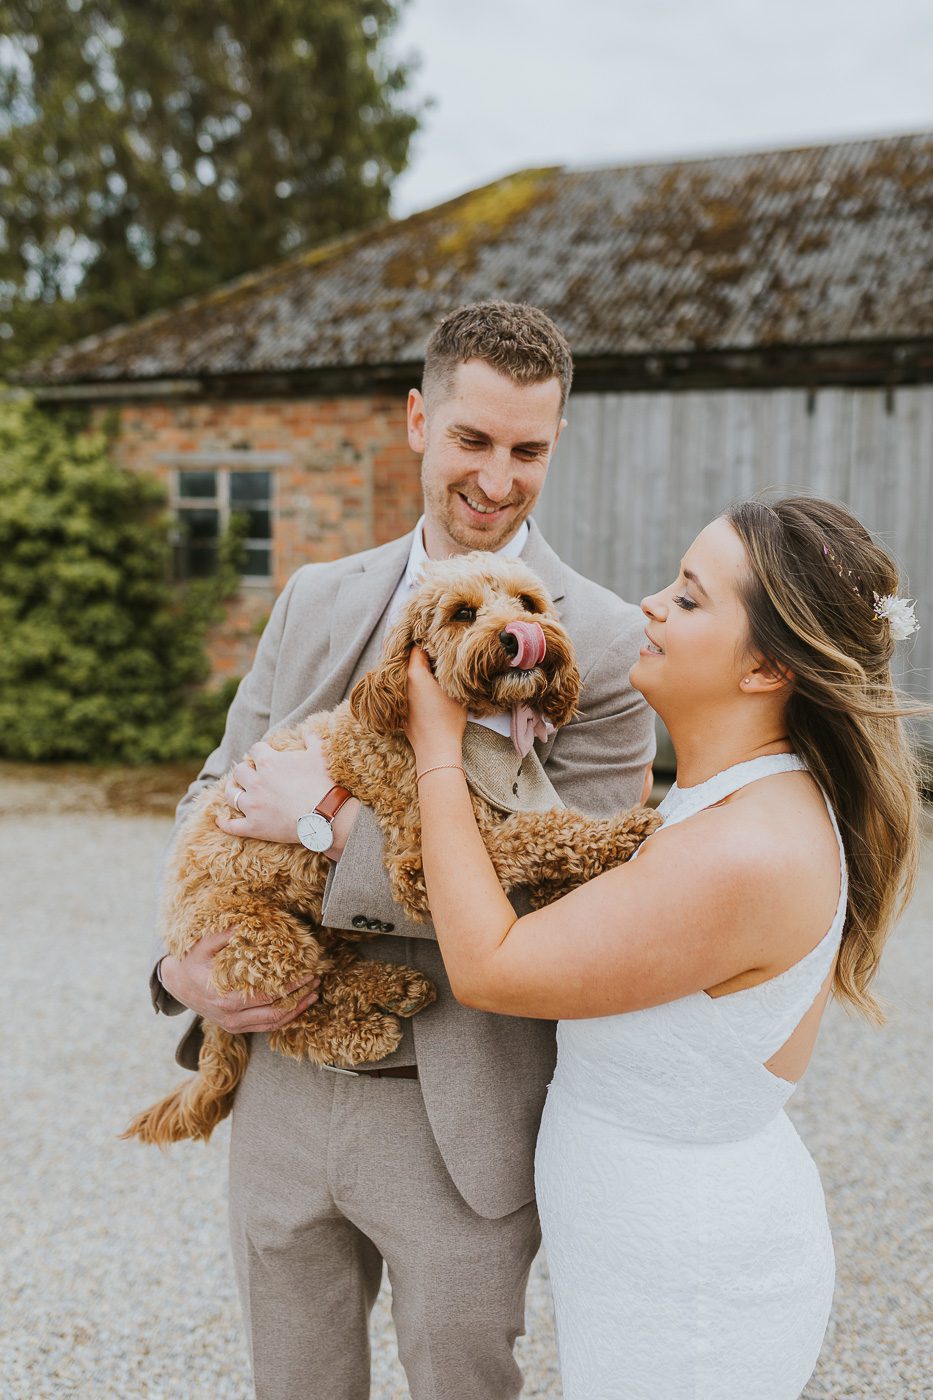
<point x="637" y="475"/>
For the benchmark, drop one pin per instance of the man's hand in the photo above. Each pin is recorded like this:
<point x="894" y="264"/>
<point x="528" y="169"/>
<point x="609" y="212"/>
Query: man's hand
<point x="272" y="788"/>
<point x="188" y="979"/>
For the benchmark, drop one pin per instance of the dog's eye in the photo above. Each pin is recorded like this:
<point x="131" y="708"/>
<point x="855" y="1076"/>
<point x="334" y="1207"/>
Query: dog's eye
<point x="528" y="604"/>
<point x="464" y="614"/>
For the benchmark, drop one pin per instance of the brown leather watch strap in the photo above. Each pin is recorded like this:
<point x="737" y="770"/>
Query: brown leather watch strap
<point x="332" y="801"/>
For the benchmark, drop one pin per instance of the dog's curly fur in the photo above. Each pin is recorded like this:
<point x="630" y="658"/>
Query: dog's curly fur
<point x="272" y="894"/>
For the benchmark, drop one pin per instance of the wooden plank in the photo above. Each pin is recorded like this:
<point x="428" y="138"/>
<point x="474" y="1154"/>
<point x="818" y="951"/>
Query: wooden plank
<point x="639" y="474"/>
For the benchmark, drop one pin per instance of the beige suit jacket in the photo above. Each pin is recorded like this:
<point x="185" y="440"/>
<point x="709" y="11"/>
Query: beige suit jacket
<point x="483" y="1076"/>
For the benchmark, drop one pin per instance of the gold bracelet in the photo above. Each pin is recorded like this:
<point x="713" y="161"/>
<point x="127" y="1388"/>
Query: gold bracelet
<point x="458" y="766"/>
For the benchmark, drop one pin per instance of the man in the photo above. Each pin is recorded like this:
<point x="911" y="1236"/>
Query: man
<point x="426" y="1162"/>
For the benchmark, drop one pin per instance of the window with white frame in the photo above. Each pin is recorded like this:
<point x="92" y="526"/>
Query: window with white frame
<point x="204" y="500"/>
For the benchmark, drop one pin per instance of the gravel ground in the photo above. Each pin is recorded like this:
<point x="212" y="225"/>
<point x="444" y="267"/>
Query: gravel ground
<point x="114" y="1270"/>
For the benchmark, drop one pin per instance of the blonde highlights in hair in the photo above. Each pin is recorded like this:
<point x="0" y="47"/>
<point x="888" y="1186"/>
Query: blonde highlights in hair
<point x="814" y="571"/>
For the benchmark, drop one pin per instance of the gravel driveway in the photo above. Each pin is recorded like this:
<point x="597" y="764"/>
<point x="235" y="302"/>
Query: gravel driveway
<point x="115" y="1277"/>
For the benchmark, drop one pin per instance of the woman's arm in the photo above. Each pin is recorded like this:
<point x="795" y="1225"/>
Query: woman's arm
<point x="698" y="907"/>
<point x="458" y="873"/>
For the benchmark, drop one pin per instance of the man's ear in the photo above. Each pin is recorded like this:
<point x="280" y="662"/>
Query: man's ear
<point x="417" y="421"/>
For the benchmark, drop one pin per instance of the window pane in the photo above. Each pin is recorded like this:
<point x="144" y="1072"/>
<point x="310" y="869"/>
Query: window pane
<point x="200" y="525"/>
<point x="258" y="563"/>
<point x="194" y="561"/>
<point x="197" y="484"/>
<point x="259" y="524"/>
<point x="201" y="561"/>
<point x="246" y="487"/>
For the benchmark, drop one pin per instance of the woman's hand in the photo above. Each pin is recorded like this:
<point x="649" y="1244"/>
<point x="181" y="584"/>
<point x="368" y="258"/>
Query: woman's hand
<point x="435" y="723"/>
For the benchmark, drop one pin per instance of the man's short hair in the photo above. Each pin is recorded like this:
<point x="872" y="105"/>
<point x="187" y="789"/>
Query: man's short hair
<point x="518" y="340"/>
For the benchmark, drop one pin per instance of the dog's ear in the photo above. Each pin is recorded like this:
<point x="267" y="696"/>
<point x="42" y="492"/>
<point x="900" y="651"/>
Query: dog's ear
<point x="380" y="700"/>
<point x="563" y="693"/>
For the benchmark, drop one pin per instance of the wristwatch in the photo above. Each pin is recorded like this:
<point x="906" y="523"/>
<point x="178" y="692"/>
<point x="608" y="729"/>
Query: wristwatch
<point x="316" y="829"/>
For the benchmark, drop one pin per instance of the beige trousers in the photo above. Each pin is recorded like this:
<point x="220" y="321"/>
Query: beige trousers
<point x="329" y="1176"/>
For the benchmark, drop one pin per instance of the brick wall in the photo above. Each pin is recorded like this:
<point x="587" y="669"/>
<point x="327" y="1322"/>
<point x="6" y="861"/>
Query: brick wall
<point x="350" y="481"/>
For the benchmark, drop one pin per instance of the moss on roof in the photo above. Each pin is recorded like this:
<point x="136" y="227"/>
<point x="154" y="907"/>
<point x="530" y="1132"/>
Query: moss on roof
<point x="823" y="245"/>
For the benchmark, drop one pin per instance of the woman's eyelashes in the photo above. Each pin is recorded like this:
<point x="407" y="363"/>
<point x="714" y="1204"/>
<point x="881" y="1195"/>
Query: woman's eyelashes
<point x="684" y="602"/>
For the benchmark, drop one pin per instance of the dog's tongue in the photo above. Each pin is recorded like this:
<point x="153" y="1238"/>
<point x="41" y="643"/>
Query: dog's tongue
<point x="528" y="724"/>
<point x="531" y="644"/>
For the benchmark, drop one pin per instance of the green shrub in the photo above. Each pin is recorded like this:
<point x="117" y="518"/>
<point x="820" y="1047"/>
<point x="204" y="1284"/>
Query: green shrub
<point x="102" y="658"/>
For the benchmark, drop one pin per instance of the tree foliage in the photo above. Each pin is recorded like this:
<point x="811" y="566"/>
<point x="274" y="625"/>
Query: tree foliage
<point x="151" y="151"/>
<point x="101" y="658"/>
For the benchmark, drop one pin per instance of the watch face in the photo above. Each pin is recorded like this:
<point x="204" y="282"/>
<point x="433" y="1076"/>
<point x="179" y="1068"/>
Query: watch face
<point x="315" y="832"/>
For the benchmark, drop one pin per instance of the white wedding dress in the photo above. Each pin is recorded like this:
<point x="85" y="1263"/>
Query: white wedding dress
<point x="684" y="1220"/>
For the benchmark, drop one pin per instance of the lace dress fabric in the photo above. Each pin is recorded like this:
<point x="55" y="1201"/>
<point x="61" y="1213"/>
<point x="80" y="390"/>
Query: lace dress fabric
<point x="684" y="1220"/>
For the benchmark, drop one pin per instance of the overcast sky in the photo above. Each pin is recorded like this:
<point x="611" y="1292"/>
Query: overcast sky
<point x="518" y="83"/>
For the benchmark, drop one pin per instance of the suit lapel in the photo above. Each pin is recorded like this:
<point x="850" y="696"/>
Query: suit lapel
<point x="355" y="637"/>
<point x="362" y="601"/>
<point x="539" y="555"/>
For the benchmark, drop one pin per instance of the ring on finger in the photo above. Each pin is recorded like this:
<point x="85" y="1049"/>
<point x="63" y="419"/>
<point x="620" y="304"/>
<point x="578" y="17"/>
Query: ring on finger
<point x="236" y="800"/>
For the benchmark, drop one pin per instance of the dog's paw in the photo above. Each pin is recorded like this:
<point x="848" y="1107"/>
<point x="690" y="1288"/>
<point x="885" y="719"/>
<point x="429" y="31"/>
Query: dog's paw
<point x="338" y="1041"/>
<point x="364" y="1042"/>
<point x="267" y="965"/>
<point x="411" y="994"/>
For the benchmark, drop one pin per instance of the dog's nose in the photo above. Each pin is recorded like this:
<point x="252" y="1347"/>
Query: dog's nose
<point x="525" y="643"/>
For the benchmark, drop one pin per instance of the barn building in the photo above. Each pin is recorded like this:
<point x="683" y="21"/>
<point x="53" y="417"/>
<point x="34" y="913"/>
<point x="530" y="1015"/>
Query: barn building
<point x="740" y="322"/>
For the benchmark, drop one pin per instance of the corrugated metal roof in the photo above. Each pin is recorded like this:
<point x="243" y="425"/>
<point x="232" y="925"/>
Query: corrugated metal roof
<point x="826" y="245"/>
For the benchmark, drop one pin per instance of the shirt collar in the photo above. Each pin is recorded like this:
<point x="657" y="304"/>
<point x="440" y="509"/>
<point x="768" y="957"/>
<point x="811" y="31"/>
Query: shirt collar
<point x="418" y="557"/>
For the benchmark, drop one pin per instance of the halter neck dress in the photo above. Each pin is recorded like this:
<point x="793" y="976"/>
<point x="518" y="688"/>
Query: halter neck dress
<point x="683" y="1218"/>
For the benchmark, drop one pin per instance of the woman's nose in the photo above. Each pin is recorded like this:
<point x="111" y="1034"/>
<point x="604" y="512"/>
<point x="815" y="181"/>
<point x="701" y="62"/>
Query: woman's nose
<point x="654" y="606"/>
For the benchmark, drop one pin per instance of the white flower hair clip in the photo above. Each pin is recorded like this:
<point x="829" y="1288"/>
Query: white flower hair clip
<point x="898" y="613"/>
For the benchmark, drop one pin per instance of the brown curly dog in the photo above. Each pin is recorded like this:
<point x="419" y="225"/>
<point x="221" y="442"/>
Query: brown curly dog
<point x="496" y="645"/>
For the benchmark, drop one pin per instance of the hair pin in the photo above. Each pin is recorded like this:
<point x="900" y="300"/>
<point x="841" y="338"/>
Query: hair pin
<point x="844" y="573"/>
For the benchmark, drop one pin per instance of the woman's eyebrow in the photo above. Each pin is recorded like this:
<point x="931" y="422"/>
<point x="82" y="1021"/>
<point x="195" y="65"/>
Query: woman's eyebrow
<point x="689" y="574"/>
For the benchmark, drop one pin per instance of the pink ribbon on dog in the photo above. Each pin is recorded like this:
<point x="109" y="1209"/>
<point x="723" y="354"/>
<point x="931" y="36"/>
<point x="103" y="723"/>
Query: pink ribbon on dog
<point x="528" y="725"/>
<point x="532" y="646"/>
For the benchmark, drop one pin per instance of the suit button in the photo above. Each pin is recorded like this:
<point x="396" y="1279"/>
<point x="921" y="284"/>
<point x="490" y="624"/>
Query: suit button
<point x="387" y="928"/>
<point x="375" y="925"/>
<point x="359" y="921"/>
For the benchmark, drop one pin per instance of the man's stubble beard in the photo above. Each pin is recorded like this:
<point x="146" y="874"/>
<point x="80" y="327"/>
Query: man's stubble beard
<point x="441" y="510"/>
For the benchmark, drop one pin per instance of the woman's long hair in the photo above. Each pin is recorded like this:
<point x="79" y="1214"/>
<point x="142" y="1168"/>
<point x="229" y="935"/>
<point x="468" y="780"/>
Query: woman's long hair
<point x="815" y="575"/>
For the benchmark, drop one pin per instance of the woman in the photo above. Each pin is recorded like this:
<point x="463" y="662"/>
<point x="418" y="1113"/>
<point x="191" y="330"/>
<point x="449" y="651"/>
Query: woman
<point x="684" y="1220"/>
